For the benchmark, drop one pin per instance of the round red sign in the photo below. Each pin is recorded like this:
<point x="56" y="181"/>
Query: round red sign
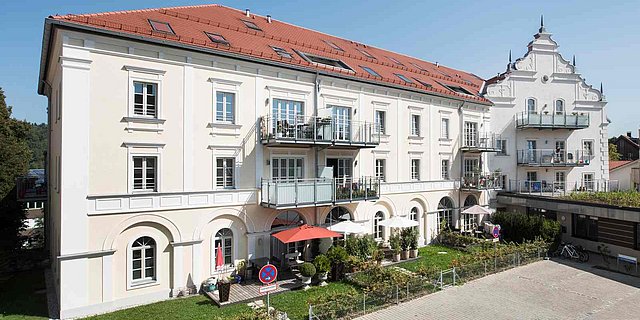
<point x="268" y="274"/>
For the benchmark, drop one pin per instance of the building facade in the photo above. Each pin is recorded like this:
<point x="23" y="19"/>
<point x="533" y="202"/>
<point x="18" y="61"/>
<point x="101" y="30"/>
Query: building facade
<point x="627" y="146"/>
<point x="177" y="132"/>
<point x="553" y="124"/>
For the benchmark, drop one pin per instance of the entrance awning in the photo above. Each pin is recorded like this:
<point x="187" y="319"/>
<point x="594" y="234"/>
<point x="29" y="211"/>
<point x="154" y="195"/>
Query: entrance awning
<point x="304" y="232"/>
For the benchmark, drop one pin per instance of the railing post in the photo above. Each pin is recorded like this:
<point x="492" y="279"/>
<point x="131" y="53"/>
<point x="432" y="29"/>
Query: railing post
<point x="364" y="303"/>
<point x="275" y="185"/>
<point x="295" y="190"/>
<point x="454" y="276"/>
<point x="315" y="190"/>
<point x="310" y="312"/>
<point x="397" y="289"/>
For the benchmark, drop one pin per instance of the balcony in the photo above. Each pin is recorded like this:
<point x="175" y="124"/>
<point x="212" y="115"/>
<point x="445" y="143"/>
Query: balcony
<point x="319" y="191"/>
<point x="553" y="158"/>
<point x="294" y="130"/>
<point x="561" y="188"/>
<point x="552" y="121"/>
<point x="476" y="143"/>
<point x="482" y="181"/>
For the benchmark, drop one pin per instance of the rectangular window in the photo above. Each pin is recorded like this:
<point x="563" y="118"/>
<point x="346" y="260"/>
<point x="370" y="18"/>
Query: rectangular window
<point x="217" y="38"/>
<point x="371" y="71"/>
<point x="585" y="227"/>
<point x="471" y="134"/>
<point x="501" y="144"/>
<point x="282" y="52"/>
<point x="224" y="173"/>
<point x="415" y="125"/>
<point x="333" y="45"/>
<point x="287" y="169"/>
<point x="145" y="99"/>
<point x="415" y="169"/>
<point x="145" y="174"/>
<point x="471" y="167"/>
<point x="366" y="54"/>
<point x="161" y="26"/>
<point x="324" y="61"/>
<point x="379" y="121"/>
<point x="588" y="182"/>
<point x="225" y="107"/>
<point x="380" y="169"/>
<point x="587" y="147"/>
<point x="445" y="169"/>
<point x="532" y="176"/>
<point x="444" y="129"/>
<point x="251" y="25"/>
<point x="287" y="114"/>
<point x="396" y="61"/>
<point x="403" y="78"/>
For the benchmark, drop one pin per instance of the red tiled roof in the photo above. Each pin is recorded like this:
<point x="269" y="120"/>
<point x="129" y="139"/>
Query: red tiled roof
<point x="191" y="22"/>
<point x="617" y="164"/>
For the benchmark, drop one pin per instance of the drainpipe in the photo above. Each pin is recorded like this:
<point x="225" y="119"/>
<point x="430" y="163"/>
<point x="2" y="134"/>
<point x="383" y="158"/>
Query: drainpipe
<point x="316" y="89"/>
<point x="461" y="133"/>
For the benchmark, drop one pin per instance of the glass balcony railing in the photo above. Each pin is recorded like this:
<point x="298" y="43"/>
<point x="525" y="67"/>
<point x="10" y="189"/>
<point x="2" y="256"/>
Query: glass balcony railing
<point x="483" y="142"/>
<point x="561" y="188"/>
<point x="552" y="121"/>
<point x="482" y="181"/>
<point x="553" y="158"/>
<point x="297" y="129"/>
<point x="318" y="191"/>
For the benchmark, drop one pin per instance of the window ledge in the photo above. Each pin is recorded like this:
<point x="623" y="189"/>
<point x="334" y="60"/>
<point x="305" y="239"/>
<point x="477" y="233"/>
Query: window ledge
<point x="412" y="137"/>
<point x="143" y="120"/>
<point x="224" y="129"/>
<point x="445" y="139"/>
<point x="224" y="125"/>
<point x="143" y="284"/>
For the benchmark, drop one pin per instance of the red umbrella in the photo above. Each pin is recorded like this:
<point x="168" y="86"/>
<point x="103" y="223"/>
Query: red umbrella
<point x="219" y="260"/>
<point x="305" y="232"/>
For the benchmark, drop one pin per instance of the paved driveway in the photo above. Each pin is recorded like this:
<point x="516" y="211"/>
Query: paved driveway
<point x="541" y="290"/>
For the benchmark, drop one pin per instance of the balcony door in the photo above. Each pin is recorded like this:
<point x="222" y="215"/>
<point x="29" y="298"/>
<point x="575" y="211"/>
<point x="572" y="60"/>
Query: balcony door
<point x="532" y="146"/>
<point x="287" y="169"/>
<point x="287" y="114"/>
<point x="471" y="134"/>
<point x="560" y="152"/>
<point x="342" y="122"/>
<point x="471" y="167"/>
<point x="342" y="168"/>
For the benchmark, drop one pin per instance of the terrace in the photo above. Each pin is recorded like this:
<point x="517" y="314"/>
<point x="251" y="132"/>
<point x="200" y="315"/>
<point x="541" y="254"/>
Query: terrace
<point x="477" y="143"/>
<point x="290" y="193"/>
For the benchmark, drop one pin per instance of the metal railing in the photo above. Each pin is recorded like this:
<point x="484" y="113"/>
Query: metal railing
<point x="419" y="286"/>
<point x="31" y="188"/>
<point x="550" y="157"/>
<point x="561" y="188"/>
<point x="481" y="141"/>
<point x="481" y="181"/>
<point x="557" y="121"/>
<point x="320" y="130"/>
<point x="308" y="192"/>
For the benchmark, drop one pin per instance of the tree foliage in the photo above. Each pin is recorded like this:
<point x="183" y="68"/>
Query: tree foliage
<point x="521" y="227"/>
<point x="614" y="155"/>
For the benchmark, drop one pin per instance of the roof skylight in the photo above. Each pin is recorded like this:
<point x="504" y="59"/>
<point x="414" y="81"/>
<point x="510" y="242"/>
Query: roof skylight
<point x="423" y="83"/>
<point x="324" y="61"/>
<point x="251" y="25"/>
<point x="333" y="45"/>
<point x="214" y="37"/>
<point x="366" y="54"/>
<point x="161" y="26"/>
<point x="282" y="52"/>
<point x="457" y="89"/>
<point x="396" y="61"/>
<point x="419" y="67"/>
<point x="371" y="71"/>
<point x="405" y="79"/>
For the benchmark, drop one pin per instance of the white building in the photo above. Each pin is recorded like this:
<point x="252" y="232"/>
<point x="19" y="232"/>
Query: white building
<point x="553" y="125"/>
<point x="180" y="130"/>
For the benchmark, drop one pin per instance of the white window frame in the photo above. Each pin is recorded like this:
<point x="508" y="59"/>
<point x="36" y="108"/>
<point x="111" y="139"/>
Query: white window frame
<point x="593" y="181"/>
<point x="378" y="230"/>
<point x="415" y="131"/>
<point x="224" y="167"/>
<point x="380" y="129"/>
<point x="445" y="128"/>
<point x="226" y="86"/>
<point x="474" y="134"/>
<point x="214" y="248"/>
<point x="142" y="283"/>
<point x="593" y="146"/>
<point x="555" y="107"/>
<point x="415" y="175"/>
<point x="503" y="144"/>
<point x="145" y="166"/>
<point x="144" y="150"/>
<point x="225" y="112"/>
<point x="381" y="170"/>
<point x="288" y="158"/>
<point x="137" y="74"/>
<point x="535" y="105"/>
<point x="225" y="151"/>
<point x="445" y="169"/>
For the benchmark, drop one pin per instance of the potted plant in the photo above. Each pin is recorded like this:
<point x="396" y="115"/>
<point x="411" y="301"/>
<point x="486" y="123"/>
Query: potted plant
<point x="338" y="256"/>
<point x="322" y="264"/>
<point x="224" y="289"/>
<point x="307" y="271"/>
<point x="405" y="241"/>
<point x="394" y="242"/>
<point x="413" y="244"/>
<point x="378" y="256"/>
<point x="241" y="271"/>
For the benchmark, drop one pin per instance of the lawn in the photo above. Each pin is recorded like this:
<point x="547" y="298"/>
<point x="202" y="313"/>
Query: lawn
<point x="23" y="295"/>
<point x="429" y="256"/>
<point x="198" y="307"/>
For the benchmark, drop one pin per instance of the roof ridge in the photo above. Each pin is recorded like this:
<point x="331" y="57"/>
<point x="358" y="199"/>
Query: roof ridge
<point x="134" y="11"/>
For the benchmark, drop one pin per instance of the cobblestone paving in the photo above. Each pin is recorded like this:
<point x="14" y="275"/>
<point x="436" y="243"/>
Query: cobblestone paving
<point x="541" y="290"/>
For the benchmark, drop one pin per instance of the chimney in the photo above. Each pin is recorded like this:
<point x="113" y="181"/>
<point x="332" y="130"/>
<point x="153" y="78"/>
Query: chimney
<point x="248" y="13"/>
<point x="437" y="64"/>
<point x="629" y="134"/>
<point x="268" y="18"/>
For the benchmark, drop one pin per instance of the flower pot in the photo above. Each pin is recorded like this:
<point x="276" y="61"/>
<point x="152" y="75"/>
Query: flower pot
<point x="323" y="278"/>
<point x="396" y="257"/>
<point x="413" y="253"/>
<point x="306" y="281"/>
<point x="405" y="254"/>
<point x="224" y="290"/>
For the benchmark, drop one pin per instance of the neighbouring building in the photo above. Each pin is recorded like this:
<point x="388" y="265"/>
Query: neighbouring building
<point x="178" y="131"/>
<point x="626" y="172"/>
<point x="628" y="147"/>
<point x="553" y="125"/>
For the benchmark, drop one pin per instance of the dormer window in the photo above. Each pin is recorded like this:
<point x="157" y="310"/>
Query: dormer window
<point x="251" y="25"/>
<point x="160" y="26"/>
<point x="216" y="38"/>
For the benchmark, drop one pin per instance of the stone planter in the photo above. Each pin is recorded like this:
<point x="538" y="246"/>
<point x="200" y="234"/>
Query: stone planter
<point x="413" y="253"/>
<point x="396" y="257"/>
<point x="224" y="290"/>
<point x="323" y="278"/>
<point x="405" y="254"/>
<point x="306" y="281"/>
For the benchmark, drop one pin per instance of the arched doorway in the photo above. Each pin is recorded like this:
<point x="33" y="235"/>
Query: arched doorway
<point x="469" y="221"/>
<point x="338" y="214"/>
<point x="445" y="212"/>
<point x="286" y="220"/>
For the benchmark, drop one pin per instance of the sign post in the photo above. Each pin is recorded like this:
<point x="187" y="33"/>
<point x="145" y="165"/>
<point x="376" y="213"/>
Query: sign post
<point x="267" y="275"/>
<point x="496" y="237"/>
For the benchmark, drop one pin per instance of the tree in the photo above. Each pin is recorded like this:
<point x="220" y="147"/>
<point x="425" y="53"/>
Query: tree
<point x="613" y="152"/>
<point x="14" y="162"/>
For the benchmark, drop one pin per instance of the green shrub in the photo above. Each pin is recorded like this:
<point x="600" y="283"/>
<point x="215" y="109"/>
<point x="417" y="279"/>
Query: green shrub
<point x="322" y="263"/>
<point x="618" y="198"/>
<point x="454" y="239"/>
<point x="307" y="269"/>
<point x="337" y="254"/>
<point x="520" y="227"/>
<point x="396" y="243"/>
<point x="360" y="246"/>
<point x="413" y="243"/>
<point x="405" y="238"/>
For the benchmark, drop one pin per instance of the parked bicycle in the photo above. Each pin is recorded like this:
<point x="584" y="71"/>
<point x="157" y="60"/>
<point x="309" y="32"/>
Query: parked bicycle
<point x="567" y="250"/>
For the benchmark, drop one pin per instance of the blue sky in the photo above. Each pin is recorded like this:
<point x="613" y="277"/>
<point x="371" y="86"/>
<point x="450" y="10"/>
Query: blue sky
<point x="474" y="36"/>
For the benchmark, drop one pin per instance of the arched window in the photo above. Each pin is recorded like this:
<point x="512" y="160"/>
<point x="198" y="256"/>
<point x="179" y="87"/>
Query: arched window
<point x="338" y="214"/>
<point x="531" y="105"/>
<point x="287" y="219"/>
<point x="414" y="215"/>
<point x="378" y="230"/>
<point x="143" y="260"/>
<point x="470" y="201"/>
<point x="223" y="241"/>
<point x="469" y="220"/>
<point x="559" y="107"/>
<point x="445" y="211"/>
